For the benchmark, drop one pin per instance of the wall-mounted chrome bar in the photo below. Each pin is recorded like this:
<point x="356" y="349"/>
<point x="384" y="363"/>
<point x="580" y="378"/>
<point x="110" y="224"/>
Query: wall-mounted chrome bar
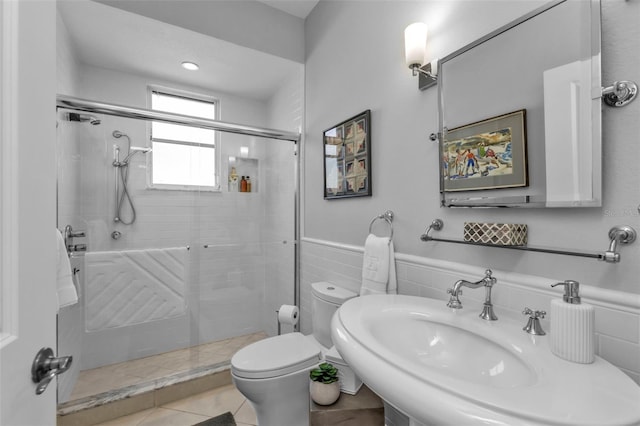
<point x="246" y="244"/>
<point x="618" y="235"/>
<point x="77" y="104"/>
<point x="82" y="253"/>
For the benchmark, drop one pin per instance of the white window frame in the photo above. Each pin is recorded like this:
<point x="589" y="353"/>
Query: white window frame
<point x="216" y="146"/>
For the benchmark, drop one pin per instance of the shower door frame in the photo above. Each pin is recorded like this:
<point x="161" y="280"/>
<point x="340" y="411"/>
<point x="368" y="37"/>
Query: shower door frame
<point x="85" y="105"/>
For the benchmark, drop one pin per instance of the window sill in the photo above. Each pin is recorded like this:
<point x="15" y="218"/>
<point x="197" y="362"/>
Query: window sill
<point x="186" y="188"/>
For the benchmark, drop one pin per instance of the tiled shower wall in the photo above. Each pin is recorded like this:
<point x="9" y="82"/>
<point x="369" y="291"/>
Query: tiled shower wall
<point x="617" y="313"/>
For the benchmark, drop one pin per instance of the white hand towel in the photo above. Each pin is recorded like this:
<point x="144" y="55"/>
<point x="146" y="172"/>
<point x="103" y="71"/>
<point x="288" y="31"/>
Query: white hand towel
<point x="378" y="268"/>
<point x="67" y="294"/>
<point x="392" y="285"/>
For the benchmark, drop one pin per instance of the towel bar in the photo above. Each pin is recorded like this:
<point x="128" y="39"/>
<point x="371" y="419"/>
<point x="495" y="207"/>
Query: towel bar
<point x="618" y="235"/>
<point x="386" y="216"/>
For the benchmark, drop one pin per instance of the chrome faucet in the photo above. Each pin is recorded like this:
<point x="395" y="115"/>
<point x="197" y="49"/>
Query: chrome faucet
<point x="488" y="281"/>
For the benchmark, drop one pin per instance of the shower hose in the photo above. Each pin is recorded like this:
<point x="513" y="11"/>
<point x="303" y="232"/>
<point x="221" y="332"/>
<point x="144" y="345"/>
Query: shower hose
<point x="123" y="195"/>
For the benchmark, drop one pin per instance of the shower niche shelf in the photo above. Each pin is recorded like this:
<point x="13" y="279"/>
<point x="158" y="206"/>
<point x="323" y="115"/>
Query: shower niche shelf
<point x="243" y="166"/>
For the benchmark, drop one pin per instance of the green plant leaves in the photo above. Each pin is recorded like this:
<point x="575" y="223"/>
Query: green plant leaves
<point x="325" y="373"/>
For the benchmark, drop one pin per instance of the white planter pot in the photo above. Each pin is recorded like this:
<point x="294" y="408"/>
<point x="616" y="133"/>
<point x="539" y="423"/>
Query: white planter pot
<point x="324" y="394"/>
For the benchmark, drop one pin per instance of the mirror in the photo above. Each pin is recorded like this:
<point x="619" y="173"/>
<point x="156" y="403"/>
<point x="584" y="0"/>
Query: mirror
<point x="545" y="69"/>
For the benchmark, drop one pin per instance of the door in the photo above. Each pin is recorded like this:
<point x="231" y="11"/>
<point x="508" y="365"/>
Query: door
<point x="27" y="210"/>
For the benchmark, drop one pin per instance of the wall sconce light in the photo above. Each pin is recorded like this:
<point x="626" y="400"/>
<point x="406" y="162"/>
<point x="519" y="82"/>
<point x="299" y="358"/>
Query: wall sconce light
<point x="415" y="50"/>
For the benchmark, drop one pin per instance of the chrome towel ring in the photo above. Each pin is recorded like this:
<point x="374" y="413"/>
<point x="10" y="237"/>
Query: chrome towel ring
<point x="386" y="216"/>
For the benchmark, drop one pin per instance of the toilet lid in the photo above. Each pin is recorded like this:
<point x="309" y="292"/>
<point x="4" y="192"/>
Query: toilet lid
<point x="275" y="356"/>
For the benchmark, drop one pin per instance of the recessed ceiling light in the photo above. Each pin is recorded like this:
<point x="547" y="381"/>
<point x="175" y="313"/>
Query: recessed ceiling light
<point x="191" y="66"/>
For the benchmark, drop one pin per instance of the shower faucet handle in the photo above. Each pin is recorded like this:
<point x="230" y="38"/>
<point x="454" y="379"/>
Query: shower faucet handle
<point x="70" y="233"/>
<point x="77" y="234"/>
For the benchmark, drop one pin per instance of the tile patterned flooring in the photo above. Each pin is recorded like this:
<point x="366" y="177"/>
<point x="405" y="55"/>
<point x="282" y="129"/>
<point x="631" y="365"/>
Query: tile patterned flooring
<point x="193" y="410"/>
<point x="116" y="376"/>
<point x="109" y="379"/>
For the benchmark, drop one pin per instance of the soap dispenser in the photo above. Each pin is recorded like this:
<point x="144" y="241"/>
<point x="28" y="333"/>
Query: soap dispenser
<point x="572" y="326"/>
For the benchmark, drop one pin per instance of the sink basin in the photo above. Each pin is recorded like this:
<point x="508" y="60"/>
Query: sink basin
<point x="441" y="348"/>
<point x="445" y="366"/>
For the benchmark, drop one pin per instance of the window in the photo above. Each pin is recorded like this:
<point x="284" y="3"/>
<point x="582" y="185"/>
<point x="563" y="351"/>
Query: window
<point x="183" y="156"/>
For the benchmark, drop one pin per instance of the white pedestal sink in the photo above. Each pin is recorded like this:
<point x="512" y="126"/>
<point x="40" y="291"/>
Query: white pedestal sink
<point x="445" y="366"/>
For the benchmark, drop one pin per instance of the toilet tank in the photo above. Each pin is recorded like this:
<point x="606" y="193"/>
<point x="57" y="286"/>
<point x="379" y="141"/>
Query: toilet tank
<point x="327" y="298"/>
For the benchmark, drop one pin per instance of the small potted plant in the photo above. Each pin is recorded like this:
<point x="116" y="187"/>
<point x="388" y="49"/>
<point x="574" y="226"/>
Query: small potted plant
<point x="325" y="386"/>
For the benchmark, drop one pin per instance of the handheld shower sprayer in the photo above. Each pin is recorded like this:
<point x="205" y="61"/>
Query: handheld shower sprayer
<point x="122" y="175"/>
<point x="133" y="151"/>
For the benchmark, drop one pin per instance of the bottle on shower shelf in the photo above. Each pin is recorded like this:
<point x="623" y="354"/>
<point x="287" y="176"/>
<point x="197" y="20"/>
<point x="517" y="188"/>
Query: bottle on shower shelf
<point x="243" y="184"/>
<point x="248" y="184"/>
<point x="233" y="180"/>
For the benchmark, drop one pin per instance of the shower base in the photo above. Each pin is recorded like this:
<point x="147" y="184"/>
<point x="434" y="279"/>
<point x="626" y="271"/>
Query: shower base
<point x="111" y="391"/>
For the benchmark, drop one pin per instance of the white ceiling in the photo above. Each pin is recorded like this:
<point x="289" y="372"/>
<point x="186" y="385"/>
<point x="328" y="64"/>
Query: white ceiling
<point x="299" y="8"/>
<point x="111" y="38"/>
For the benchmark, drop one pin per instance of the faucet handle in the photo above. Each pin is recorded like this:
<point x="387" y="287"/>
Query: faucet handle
<point x="453" y="294"/>
<point x="454" y="300"/>
<point x="534" y="314"/>
<point x="489" y="279"/>
<point x="533" y="325"/>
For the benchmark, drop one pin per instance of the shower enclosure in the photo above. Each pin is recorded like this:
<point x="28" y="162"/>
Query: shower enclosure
<point x="171" y="269"/>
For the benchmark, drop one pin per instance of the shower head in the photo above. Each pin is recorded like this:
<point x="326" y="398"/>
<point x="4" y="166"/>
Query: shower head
<point x="83" y="118"/>
<point x="118" y="134"/>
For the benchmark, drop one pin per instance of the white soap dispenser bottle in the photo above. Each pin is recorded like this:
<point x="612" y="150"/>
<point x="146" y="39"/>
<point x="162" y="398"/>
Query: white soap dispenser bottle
<point x="572" y="326"/>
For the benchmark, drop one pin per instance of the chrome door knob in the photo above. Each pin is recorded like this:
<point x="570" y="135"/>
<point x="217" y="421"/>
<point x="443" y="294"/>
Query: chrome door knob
<point x="45" y="367"/>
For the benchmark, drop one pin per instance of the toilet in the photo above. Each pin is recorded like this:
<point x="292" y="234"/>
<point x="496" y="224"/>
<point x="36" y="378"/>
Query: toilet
<point x="273" y="374"/>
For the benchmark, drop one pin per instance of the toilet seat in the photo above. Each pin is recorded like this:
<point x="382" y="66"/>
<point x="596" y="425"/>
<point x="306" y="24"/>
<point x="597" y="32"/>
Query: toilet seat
<point x="275" y="356"/>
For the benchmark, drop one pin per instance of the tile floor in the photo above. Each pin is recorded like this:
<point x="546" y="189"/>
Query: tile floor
<point x="193" y="410"/>
<point x="116" y="376"/>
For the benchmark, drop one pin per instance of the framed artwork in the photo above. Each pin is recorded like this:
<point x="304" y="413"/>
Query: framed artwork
<point x="347" y="158"/>
<point x="488" y="154"/>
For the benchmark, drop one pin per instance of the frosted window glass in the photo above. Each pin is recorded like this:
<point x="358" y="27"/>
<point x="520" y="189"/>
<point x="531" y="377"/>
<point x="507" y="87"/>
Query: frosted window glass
<point x="184" y="106"/>
<point x="183" y="164"/>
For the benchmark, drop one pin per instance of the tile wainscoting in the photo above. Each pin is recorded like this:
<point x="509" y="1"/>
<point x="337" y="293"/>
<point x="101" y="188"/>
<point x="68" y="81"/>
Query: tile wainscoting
<point x="617" y="313"/>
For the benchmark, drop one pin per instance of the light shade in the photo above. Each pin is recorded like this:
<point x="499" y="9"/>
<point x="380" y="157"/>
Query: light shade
<point x="191" y="66"/>
<point x="415" y="44"/>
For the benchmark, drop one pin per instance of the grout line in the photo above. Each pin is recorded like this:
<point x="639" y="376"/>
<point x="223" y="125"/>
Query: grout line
<point x="239" y="408"/>
<point x="151" y="411"/>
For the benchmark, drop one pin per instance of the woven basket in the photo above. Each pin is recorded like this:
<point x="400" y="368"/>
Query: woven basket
<point x="500" y="234"/>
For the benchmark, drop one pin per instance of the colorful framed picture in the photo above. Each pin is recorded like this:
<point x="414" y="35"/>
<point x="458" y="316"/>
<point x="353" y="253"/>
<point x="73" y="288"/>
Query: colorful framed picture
<point x="347" y="158"/>
<point x="488" y="154"/>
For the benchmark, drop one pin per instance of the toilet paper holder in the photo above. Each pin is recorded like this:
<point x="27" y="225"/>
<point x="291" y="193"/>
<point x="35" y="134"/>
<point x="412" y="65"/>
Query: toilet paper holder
<point x="290" y="316"/>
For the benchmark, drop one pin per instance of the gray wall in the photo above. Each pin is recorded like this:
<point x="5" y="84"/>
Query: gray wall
<point x="355" y="62"/>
